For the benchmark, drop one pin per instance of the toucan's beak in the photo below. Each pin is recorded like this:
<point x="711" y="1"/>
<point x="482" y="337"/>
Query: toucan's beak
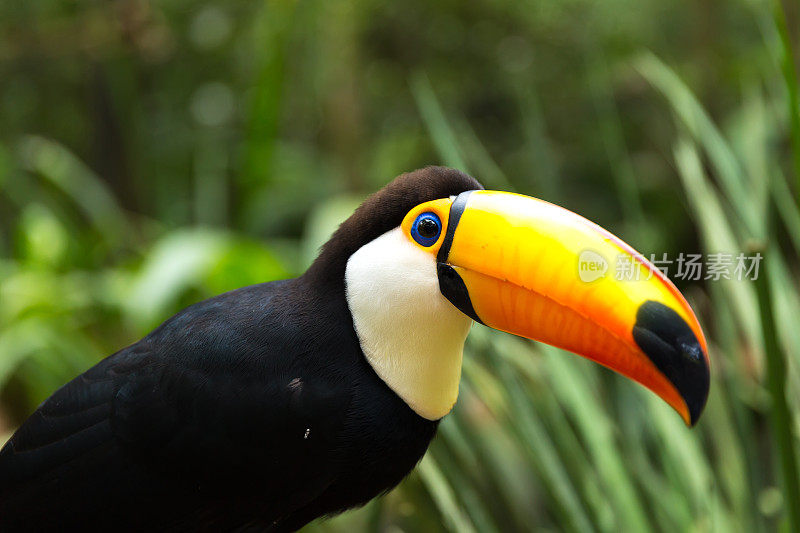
<point x="531" y="268"/>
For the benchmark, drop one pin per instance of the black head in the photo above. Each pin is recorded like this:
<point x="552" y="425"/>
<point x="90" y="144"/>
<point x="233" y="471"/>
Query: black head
<point x="383" y="211"/>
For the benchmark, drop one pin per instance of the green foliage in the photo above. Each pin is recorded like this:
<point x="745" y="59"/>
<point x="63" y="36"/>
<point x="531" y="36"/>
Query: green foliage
<point x="153" y="154"/>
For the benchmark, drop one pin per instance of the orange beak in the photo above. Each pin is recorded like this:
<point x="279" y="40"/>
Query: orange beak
<point x="531" y="268"/>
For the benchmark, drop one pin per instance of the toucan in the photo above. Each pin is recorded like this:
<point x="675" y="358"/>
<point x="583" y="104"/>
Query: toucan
<point x="266" y="407"/>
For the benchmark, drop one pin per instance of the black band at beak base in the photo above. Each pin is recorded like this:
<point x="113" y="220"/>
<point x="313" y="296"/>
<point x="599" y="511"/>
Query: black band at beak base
<point x="456" y="210"/>
<point x="453" y="288"/>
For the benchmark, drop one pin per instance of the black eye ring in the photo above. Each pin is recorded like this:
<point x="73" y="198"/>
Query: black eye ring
<point x="426" y="229"/>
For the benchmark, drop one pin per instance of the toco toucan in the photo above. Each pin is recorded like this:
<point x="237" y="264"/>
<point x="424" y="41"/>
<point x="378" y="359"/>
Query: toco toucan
<point x="268" y="406"/>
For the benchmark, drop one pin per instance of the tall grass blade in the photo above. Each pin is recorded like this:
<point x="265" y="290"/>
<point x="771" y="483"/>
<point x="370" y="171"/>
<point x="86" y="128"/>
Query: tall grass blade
<point x="697" y="122"/>
<point x="85" y="189"/>
<point x="780" y="414"/>
<point x="717" y="233"/>
<point x="614" y="142"/>
<point x="543" y="453"/>
<point x="594" y="425"/>
<point x="442" y="493"/>
<point x="270" y="34"/>
<point x="791" y="82"/>
<point x="442" y="135"/>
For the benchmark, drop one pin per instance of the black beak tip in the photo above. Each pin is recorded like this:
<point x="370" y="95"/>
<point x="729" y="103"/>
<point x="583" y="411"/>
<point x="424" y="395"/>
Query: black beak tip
<point x="672" y="346"/>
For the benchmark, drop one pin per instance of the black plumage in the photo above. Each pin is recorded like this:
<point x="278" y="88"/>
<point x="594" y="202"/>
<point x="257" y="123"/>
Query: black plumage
<point x="254" y="409"/>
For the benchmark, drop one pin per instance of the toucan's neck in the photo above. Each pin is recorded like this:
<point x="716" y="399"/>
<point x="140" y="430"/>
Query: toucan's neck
<point x="411" y="335"/>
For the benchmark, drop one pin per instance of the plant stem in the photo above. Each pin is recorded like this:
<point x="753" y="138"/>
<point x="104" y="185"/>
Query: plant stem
<point x="779" y="413"/>
<point x="790" y="78"/>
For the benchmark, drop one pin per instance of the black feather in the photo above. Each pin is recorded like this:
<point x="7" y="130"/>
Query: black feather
<point x="255" y="409"/>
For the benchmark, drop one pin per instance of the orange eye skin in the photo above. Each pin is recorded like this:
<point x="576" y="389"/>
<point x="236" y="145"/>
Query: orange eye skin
<point x="441" y="208"/>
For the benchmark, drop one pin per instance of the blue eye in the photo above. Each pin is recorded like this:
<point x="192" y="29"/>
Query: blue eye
<point x="426" y="229"/>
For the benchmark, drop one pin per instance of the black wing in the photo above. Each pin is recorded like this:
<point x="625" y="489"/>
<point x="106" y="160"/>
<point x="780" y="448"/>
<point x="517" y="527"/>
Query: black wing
<point x="215" y="419"/>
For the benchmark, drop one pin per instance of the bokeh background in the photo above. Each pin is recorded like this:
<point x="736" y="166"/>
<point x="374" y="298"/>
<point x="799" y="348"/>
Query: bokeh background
<point x="156" y="153"/>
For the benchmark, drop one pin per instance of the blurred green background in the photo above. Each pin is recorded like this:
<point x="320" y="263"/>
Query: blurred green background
<point x="156" y="153"/>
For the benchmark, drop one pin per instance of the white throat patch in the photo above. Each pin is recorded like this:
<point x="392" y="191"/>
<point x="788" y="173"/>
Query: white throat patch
<point x="410" y="333"/>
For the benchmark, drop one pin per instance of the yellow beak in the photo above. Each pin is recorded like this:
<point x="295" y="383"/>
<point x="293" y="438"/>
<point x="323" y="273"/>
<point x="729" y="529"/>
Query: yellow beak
<point x="534" y="269"/>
